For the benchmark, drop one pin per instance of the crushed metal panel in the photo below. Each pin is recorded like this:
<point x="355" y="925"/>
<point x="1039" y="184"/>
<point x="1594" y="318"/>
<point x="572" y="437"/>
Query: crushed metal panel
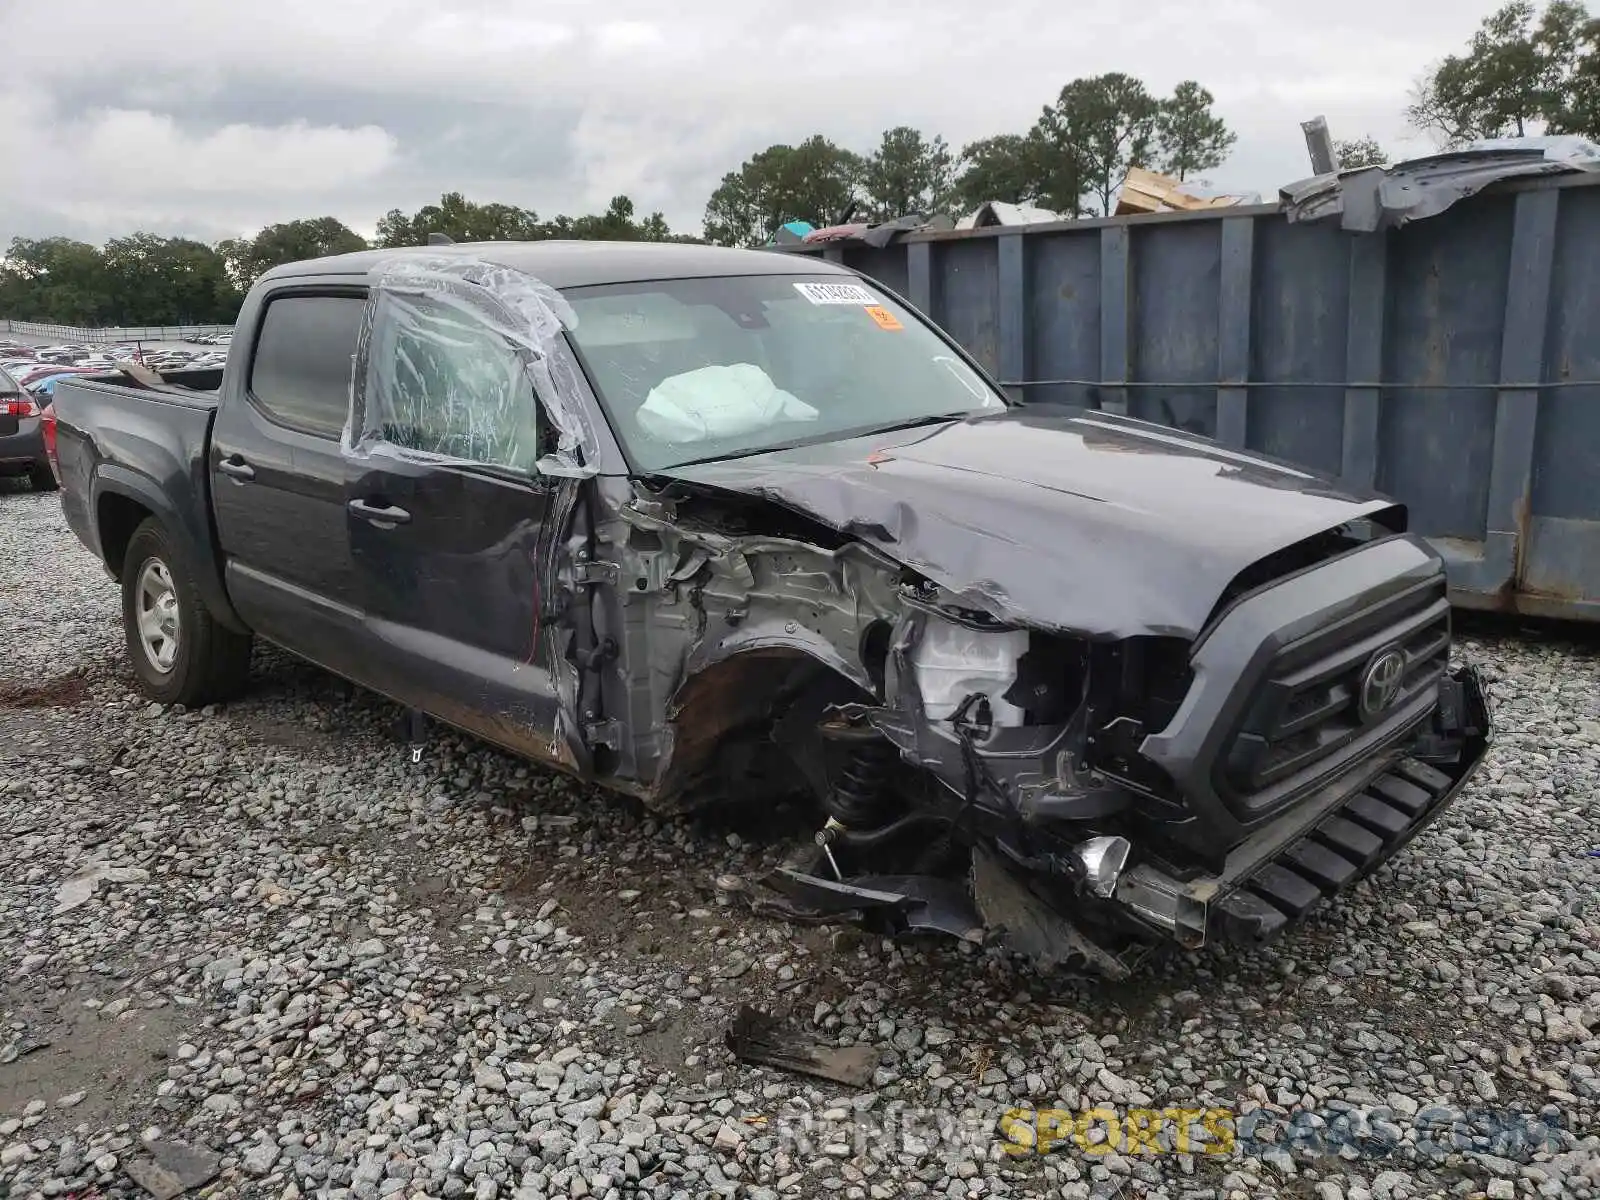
<point x="702" y="617"/>
<point x="1054" y="517"/>
<point x="1372" y="198"/>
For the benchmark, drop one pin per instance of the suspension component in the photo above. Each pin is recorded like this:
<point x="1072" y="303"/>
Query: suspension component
<point x="859" y="798"/>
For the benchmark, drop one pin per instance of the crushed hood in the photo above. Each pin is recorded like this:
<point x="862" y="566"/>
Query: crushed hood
<point x="1055" y="517"/>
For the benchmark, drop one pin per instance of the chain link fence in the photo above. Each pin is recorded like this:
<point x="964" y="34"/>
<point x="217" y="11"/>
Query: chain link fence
<point x="105" y="337"/>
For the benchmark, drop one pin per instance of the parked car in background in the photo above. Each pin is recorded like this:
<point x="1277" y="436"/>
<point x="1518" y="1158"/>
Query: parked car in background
<point x="40" y="371"/>
<point x="43" y="386"/>
<point x="22" y="449"/>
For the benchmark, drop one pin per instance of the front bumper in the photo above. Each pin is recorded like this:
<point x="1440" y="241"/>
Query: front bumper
<point x="1286" y="869"/>
<point x="1267" y="882"/>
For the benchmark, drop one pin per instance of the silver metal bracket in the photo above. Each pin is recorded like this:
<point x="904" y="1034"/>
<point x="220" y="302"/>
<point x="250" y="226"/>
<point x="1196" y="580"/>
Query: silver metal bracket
<point x="605" y="733"/>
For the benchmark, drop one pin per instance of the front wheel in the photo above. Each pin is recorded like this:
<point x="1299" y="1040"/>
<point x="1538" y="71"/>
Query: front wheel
<point x="180" y="653"/>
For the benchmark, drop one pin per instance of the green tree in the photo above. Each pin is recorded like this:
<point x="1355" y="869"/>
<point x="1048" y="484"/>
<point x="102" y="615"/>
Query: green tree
<point x="907" y="173"/>
<point x="292" y="241"/>
<point x="460" y="219"/>
<point x="1518" y="76"/>
<point x="167" y="281"/>
<point x="1191" y="137"/>
<point x="135" y="280"/>
<point x="616" y="224"/>
<point x="1568" y="40"/>
<point x="1582" y="114"/>
<point x="1091" y="135"/>
<point x="815" y="181"/>
<point x="1359" y="152"/>
<point x="1004" y="167"/>
<point x="56" y="280"/>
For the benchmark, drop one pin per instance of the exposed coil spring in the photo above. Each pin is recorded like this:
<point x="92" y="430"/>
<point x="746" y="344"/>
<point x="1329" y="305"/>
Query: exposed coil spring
<point x="859" y="797"/>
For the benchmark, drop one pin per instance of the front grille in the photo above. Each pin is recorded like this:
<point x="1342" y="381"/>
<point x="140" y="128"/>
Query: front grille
<point x="1306" y="722"/>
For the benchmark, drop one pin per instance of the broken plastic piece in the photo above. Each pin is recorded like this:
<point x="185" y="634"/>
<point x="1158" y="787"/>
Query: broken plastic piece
<point x="177" y="1168"/>
<point x="758" y="1037"/>
<point x="1029" y="926"/>
<point x="82" y="884"/>
<point x="456" y="360"/>
<point x="952" y="662"/>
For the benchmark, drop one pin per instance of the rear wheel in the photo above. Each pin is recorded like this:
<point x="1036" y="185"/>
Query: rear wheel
<point x="42" y="478"/>
<point x="180" y="653"/>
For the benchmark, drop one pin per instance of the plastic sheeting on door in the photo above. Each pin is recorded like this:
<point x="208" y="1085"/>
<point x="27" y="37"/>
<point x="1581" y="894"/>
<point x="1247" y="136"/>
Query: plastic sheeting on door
<point x="458" y="359"/>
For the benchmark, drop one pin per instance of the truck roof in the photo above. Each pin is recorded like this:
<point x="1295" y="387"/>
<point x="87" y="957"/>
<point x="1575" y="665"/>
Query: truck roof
<point x="565" y="264"/>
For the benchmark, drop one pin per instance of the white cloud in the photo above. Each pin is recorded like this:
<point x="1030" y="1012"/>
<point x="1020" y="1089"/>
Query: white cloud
<point x="227" y="116"/>
<point x="131" y="165"/>
<point x="138" y="154"/>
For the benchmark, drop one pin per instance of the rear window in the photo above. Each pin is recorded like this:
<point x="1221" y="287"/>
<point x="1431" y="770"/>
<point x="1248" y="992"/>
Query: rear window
<point x="301" y="373"/>
<point x="7" y="383"/>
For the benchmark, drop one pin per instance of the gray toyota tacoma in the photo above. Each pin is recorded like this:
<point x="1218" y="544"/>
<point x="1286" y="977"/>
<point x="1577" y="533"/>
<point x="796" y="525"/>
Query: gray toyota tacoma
<point x="715" y="525"/>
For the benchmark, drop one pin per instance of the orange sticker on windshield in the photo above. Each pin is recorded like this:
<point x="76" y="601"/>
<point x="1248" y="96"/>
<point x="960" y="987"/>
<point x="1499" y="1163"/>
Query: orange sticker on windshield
<point x="884" y="318"/>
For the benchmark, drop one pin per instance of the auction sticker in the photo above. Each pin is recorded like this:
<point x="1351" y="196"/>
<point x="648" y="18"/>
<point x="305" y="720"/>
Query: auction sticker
<point x="836" y="293"/>
<point x="884" y="318"/>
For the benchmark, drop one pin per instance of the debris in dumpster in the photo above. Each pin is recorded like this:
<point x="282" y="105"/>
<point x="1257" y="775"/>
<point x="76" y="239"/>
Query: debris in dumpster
<point x="1368" y="199"/>
<point x="999" y="212"/>
<point x="758" y="1037"/>
<point x="1150" y="192"/>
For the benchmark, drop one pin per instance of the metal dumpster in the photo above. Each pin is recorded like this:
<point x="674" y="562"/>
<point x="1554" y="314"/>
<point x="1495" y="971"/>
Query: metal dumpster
<point x="1453" y="363"/>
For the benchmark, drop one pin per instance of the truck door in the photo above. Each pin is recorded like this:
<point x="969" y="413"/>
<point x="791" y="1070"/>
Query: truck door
<point x="452" y="530"/>
<point x="278" y="478"/>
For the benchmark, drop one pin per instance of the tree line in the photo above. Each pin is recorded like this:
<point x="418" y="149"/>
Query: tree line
<point x="1072" y="160"/>
<point x="1527" y="70"/>
<point x="145" y="279"/>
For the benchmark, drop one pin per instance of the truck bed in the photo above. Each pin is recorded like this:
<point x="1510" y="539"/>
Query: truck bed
<point x="122" y="446"/>
<point x="199" y="386"/>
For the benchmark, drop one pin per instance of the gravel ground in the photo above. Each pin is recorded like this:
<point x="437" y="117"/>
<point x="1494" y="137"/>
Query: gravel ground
<point x="258" y="952"/>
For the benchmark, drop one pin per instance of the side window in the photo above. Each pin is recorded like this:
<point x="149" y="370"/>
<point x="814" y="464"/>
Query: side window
<point x="301" y="372"/>
<point x="449" y="385"/>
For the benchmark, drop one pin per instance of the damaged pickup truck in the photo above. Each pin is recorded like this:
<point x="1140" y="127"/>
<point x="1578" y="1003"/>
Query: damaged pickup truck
<point x="702" y="524"/>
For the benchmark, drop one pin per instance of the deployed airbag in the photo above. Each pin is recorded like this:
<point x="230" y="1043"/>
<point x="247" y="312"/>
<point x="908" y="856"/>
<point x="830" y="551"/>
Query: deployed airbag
<point x="717" y="402"/>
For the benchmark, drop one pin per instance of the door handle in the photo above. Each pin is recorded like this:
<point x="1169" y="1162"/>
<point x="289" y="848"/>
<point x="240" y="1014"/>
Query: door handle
<point x="380" y="514"/>
<point x="237" y="468"/>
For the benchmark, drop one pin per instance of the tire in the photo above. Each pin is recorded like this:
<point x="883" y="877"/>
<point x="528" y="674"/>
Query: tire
<point x="42" y="478"/>
<point x="180" y="654"/>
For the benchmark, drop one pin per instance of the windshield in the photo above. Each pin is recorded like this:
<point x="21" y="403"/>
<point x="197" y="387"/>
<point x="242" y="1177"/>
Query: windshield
<point x="691" y="369"/>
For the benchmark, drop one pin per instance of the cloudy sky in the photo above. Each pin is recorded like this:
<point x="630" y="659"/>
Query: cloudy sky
<point x="214" y="117"/>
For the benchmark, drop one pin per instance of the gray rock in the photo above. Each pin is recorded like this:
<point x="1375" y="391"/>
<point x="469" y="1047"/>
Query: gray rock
<point x="260" y="1158"/>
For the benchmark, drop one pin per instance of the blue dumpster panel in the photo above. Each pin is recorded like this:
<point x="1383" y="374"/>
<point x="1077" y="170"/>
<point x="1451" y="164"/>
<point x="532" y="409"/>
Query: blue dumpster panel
<point x="887" y="266"/>
<point x="1298" y="336"/>
<point x="1062" y="277"/>
<point x="1176" y="273"/>
<point x="1446" y="315"/>
<point x="1562" y="558"/>
<point x="965" y="282"/>
<point x="1453" y="363"/>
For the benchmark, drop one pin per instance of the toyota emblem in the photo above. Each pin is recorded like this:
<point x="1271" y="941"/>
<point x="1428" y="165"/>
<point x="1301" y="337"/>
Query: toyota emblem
<point x="1380" y="682"/>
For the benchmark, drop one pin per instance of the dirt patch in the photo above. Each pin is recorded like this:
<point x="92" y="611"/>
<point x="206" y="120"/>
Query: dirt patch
<point x="63" y="691"/>
<point x="66" y="1048"/>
